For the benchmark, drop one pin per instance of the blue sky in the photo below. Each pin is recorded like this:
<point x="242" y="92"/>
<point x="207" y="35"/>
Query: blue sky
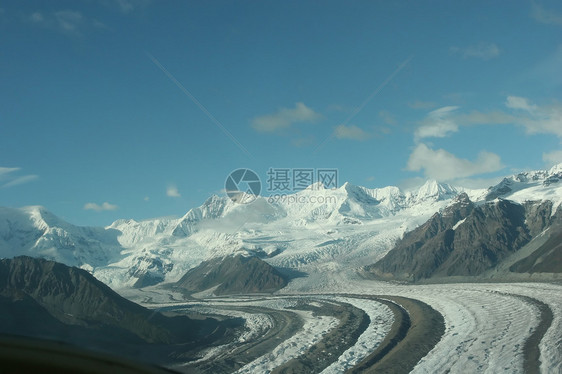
<point x="136" y="109"/>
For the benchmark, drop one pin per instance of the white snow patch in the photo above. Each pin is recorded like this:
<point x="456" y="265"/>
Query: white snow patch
<point x="459" y="223"/>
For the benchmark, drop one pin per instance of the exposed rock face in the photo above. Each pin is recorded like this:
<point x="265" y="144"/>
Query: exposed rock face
<point x="467" y="240"/>
<point x="67" y="296"/>
<point x="538" y="216"/>
<point x="233" y="275"/>
<point x="149" y="271"/>
<point x="502" y="188"/>
<point x="546" y="259"/>
<point x="488" y="235"/>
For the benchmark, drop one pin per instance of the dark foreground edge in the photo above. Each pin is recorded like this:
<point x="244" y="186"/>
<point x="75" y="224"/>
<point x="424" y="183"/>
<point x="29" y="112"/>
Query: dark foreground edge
<point x="27" y="355"/>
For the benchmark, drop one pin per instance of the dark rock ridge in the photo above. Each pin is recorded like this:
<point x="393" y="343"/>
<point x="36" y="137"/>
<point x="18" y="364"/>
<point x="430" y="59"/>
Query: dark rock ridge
<point x="467" y="239"/>
<point x="48" y="299"/>
<point x="233" y="275"/>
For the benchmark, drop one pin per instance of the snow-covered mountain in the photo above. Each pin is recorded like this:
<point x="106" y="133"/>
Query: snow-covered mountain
<point x="36" y="232"/>
<point x="532" y="185"/>
<point x="316" y="229"/>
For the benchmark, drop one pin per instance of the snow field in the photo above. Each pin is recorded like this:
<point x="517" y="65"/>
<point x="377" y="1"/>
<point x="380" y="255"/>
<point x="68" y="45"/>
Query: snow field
<point x="551" y="344"/>
<point x="485" y="332"/>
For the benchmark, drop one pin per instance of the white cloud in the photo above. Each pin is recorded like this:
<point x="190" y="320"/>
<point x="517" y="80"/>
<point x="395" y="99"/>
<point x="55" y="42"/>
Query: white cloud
<point x="516" y="102"/>
<point x="553" y="157"/>
<point x="438" y="124"/>
<point x="442" y="165"/>
<point x="548" y="17"/>
<point x="5" y="171"/>
<point x="534" y="118"/>
<point x="9" y="179"/>
<point x="539" y="120"/>
<point x="99" y="208"/>
<point x="483" y="50"/>
<point x="20" y="180"/>
<point x="172" y="191"/>
<point x="547" y="122"/>
<point x="350" y="132"/>
<point x="284" y="118"/>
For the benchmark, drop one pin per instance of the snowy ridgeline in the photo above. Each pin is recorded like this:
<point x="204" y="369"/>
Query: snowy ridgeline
<point x="314" y="230"/>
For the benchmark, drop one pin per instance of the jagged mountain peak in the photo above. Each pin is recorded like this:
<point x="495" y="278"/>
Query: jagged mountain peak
<point x="433" y="189"/>
<point x="359" y="194"/>
<point x="35" y="217"/>
<point x="123" y="221"/>
<point x="37" y="232"/>
<point x="215" y="206"/>
<point x="316" y="186"/>
<point x="556" y="169"/>
<point x="462" y="198"/>
<point x="34" y="209"/>
<point x="459" y="208"/>
<point x="525" y="185"/>
<point x="40" y="216"/>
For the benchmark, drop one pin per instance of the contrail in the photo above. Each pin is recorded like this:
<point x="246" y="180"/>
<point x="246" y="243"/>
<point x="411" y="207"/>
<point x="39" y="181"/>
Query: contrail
<point x="199" y="105"/>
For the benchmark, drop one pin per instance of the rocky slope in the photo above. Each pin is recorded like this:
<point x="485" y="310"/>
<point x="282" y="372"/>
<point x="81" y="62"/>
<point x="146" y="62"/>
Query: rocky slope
<point x="46" y="299"/>
<point x="468" y="239"/>
<point x="547" y="258"/>
<point x="233" y="275"/>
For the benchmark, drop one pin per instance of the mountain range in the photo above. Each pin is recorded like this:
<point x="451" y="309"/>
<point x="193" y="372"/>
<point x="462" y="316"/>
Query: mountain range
<point x="316" y="229"/>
